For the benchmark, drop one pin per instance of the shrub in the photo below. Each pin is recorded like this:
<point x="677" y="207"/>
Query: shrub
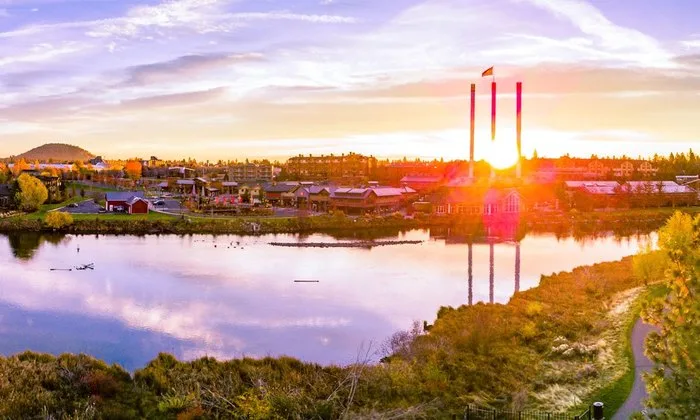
<point x="58" y="220"/>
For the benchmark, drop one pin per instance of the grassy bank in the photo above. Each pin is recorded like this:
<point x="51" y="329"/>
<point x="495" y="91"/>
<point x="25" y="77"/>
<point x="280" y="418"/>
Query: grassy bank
<point x="499" y="355"/>
<point x="621" y="223"/>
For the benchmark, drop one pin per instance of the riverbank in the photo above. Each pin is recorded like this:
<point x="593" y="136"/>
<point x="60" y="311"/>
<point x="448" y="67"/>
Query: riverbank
<point x="542" y="343"/>
<point x="620" y="222"/>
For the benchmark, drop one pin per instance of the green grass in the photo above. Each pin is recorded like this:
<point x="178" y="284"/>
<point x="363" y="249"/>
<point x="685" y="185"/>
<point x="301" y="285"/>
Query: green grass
<point x="88" y="188"/>
<point x="152" y="216"/>
<point x="615" y="394"/>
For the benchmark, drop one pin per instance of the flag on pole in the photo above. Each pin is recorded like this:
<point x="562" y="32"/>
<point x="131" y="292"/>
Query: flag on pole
<point x="487" y="72"/>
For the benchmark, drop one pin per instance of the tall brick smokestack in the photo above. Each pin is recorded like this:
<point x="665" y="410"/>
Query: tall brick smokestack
<point x="493" y="122"/>
<point x="493" y="111"/>
<point x="518" y="126"/>
<point x="472" y="116"/>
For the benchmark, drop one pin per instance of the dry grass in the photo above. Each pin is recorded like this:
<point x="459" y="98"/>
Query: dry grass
<point x="574" y="370"/>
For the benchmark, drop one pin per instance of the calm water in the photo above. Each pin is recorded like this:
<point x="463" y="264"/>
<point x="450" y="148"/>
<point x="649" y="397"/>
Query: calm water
<point x="185" y="296"/>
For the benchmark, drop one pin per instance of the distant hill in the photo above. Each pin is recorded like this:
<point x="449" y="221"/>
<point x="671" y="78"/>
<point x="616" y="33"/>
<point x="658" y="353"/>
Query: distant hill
<point x="57" y="152"/>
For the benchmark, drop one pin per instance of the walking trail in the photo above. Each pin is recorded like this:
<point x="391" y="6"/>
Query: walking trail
<point x="641" y="364"/>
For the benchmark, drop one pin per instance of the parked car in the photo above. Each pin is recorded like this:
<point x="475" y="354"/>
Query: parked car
<point x="159" y="203"/>
<point x="74" y="205"/>
<point x="102" y="211"/>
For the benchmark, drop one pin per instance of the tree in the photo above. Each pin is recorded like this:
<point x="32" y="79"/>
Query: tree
<point x="674" y="383"/>
<point x="4" y="173"/>
<point x="58" y="219"/>
<point x="19" y="166"/>
<point x="31" y="193"/>
<point x="133" y="169"/>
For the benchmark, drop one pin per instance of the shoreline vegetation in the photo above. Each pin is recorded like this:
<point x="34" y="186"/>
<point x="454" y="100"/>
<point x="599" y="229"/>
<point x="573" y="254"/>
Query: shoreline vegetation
<point x="620" y="222"/>
<point x="552" y="347"/>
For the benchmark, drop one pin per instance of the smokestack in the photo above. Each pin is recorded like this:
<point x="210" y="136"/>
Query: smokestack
<point x="493" y="111"/>
<point x="493" y="120"/>
<point x="518" y="126"/>
<point x="472" y="115"/>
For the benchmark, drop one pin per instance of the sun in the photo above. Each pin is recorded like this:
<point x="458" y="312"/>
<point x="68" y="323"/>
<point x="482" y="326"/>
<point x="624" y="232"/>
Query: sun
<point x="502" y="154"/>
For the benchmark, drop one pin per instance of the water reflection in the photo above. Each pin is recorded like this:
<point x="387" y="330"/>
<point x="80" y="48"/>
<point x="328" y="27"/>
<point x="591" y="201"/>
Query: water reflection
<point x="25" y="244"/>
<point x="229" y="296"/>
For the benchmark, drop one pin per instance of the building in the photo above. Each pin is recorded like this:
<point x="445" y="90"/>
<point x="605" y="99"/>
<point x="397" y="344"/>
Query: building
<point x="137" y="205"/>
<point x="346" y="168"/>
<point x="281" y="193"/>
<point x="624" y="170"/>
<point x="478" y="201"/>
<point x="124" y="201"/>
<point x="362" y="200"/>
<point x="421" y="182"/>
<point x="153" y="162"/>
<point x="181" y="172"/>
<point x="6" y="196"/>
<point x="319" y="197"/>
<point x="251" y="172"/>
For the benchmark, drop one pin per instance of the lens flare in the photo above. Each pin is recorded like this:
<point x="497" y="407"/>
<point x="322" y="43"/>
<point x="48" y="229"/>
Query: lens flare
<point x="502" y="154"/>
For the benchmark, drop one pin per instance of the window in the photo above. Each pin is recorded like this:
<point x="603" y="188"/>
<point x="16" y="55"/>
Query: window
<point x="512" y="204"/>
<point x="440" y="209"/>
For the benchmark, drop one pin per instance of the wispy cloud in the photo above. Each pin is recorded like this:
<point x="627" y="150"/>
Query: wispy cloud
<point x="185" y="66"/>
<point x="632" y="43"/>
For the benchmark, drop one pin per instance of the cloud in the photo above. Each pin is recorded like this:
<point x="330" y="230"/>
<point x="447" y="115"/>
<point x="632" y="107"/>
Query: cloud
<point x="633" y="44"/>
<point x="174" y="100"/>
<point x="185" y="66"/>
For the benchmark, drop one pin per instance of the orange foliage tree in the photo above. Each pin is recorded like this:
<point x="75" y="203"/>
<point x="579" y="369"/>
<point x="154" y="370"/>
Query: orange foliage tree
<point x="133" y="169"/>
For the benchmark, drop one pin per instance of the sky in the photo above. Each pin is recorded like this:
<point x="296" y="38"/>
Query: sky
<point x="236" y="79"/>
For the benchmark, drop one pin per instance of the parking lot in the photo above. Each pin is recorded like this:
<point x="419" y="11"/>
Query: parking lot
<point x="84" y="207"/>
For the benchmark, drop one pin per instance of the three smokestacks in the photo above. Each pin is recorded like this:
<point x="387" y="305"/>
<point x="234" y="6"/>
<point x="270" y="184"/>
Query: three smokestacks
<point x="518" y="124"/>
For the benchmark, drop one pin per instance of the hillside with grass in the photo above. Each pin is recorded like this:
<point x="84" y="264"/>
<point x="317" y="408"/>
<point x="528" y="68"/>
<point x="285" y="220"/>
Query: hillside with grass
<point x="56" y="152"/>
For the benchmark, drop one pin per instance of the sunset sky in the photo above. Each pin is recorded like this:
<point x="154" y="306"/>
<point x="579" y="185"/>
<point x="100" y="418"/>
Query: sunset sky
<point x="220" y="79"/>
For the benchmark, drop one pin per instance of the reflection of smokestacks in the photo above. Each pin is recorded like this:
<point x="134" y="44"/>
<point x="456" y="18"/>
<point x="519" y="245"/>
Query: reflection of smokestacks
<point x="517" y="267"/>
<point x="470" y="274"/>
<point x="491" y="272"/>
<point x="472" y="115"/>
<point x="518" y="125"/>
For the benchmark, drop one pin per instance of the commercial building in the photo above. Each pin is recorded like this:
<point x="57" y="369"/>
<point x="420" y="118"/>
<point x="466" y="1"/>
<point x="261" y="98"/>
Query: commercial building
<point x="348" y="168"/>
<point x="251" y="172"/>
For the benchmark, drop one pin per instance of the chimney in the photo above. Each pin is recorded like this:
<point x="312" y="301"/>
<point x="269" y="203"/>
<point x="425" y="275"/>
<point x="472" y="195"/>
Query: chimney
<point x="518" y="126"/>
<point x="472" y="114"/>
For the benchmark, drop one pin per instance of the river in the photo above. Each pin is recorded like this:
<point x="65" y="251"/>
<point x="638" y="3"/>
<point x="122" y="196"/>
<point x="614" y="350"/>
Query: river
<point x="233" y="296"/>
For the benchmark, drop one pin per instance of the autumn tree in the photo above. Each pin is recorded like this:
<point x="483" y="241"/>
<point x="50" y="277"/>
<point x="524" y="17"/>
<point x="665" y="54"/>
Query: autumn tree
<point x="31" y="193"/>
<point x="133" y="169"/>
<point x="4" y="173"/>
<point x="674" y="383"/>
<point x="19" y="166"/>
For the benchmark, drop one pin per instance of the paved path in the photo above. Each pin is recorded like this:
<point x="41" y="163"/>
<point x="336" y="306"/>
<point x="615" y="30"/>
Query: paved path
<point x="641" y="364"/>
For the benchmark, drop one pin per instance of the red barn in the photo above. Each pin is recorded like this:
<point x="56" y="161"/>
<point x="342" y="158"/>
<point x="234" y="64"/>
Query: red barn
<point x="120" y="201"/>
<point x="137" y="205"/>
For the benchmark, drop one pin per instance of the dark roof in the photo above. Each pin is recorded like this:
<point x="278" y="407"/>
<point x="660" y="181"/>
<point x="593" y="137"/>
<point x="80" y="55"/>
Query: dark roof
<point x="279" y="188"/>
<point x="421" y="179"/>
<point x="5" y="190"/>
<point x="122" y="195"/>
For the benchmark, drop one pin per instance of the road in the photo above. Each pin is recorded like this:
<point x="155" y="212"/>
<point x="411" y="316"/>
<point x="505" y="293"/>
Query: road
<point x="641" y="364"/>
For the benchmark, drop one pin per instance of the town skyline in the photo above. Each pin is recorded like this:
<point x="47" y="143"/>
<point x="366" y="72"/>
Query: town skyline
<point x="202" y="77"/>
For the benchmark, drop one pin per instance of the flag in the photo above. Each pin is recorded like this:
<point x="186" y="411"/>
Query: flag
<point x="487" y="72"/>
